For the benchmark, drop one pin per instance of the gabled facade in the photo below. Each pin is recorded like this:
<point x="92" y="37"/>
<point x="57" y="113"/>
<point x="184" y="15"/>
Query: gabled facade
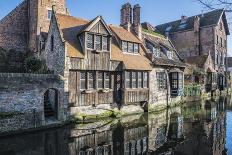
<point x="198" y="35"/>
<point x="166" y="77"/>
<point x="99" y="63"/>
<point x="201" y="71"/>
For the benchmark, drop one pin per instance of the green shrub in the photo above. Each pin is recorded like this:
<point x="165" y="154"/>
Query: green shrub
<point x="33" y="64"/>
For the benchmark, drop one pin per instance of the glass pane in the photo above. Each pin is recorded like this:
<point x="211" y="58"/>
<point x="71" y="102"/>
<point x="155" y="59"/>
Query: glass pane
<point x="105" y="43"/>
<point x="100" y="79"/>
<point x="90" y="41"/>
<point x="124" y="46"/>
<point x="91" y="80"/>
<point x="130" y="48"/>
<point x="139" y="79"/>
<point x="136" y="48"/>
<point x="107" y="80"/>
<point x="83" y="80"/>
<point x="98" y="43"/>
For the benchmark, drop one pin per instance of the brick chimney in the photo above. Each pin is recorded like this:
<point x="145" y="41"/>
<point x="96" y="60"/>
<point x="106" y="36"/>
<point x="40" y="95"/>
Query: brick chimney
<point x="136" y="21"/>
<point x="126" y="16"/>
<point x="197" y="36"/>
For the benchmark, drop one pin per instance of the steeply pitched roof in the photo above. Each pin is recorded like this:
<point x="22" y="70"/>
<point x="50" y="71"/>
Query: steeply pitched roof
<point x="160" y="42"/>
<point x="197" y="60"/>
<point x="130" y="61"/>
<point x="207" y="19"/>
<point x="71" y="27"/>
<point x="123" y="34"/>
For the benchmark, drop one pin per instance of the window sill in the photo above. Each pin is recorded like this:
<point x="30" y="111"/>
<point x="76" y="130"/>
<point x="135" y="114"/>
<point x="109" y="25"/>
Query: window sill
<point x="104" y="90"/>
<point x="87" y="91"/>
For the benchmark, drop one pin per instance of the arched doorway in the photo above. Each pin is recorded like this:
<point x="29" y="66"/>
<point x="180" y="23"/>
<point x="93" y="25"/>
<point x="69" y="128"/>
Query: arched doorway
<point x="51" y="99"/>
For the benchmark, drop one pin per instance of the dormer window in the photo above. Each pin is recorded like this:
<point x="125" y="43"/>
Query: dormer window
<point x="97" y="42"/>
<point x="170" y="54"/>
<point x="153" y="49"/>
<point x="129" y="47"/>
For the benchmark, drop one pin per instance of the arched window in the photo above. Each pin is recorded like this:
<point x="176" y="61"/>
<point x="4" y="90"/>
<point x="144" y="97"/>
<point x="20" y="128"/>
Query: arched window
<point x="52" y="43"/>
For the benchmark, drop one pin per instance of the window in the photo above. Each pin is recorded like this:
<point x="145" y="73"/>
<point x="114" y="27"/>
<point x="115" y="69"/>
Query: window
<point x="134" y="81"/>
<point x="105" y="43"/>
<point x="49" y="14"/>
<point x="128" y="79"/>
<point x="156" y="52"/>
<point x="90" y="41"/>
<point x="107" y="80"/>
<point x="225" y="43"/>
<point x="145" y="80"/>
<point x="180" y="80"/>
<point x="221" y="42"/>
<point x="124" y="46"/>
<point x="83" y="80"/>
<point x="91" y="78"/>
<point x="217" y="40"/>
<point x="174" y="80"/>
<point x="140" y="81"/>
<point x="100" y="80"/>
<point x="217" y="58"/>
<point x="170" y="54"/>
<point x="130" y="47"/>
<point x="222" y="59"/>
<point x="98" y="43"/>
<point x="52" y="43"/>
<point x="136" y="48"/>
<point x="161" y="80"/>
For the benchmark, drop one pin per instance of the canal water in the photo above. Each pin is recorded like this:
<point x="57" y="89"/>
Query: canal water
<point x="197" y="128"/>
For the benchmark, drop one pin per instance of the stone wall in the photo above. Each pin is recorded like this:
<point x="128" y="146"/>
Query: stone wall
<point x="14" y="28"/>
<point x="157" y="97"/>
<point x="22" y="100"/>
<point x="55" y="59"/>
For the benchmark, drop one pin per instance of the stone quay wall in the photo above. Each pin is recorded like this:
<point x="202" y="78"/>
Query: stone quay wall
<point x="22" y="100"/>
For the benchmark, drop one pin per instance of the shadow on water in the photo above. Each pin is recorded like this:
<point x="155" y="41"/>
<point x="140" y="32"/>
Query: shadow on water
<point x="192" y="129"/>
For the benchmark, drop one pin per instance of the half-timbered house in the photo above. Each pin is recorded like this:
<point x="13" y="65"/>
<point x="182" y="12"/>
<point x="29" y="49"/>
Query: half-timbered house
<point x="104" y="66"/>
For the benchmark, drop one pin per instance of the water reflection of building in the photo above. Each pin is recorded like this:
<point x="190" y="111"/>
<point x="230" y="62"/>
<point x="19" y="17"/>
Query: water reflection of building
<point x="198" y="130"/>
<point x="130" y="140"/>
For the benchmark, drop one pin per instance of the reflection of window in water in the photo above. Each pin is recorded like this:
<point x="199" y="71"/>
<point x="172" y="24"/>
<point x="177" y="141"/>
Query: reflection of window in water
<point x="127" y="148"/>
<point x="160" y="138"/>
<point x="133" y="143"/>
<point x="138" y="146"/>
<point x="180" y="128"/>
<point x="144" y="144"/>
<point x="106" y="150"/>
<point x="99" y="150"/>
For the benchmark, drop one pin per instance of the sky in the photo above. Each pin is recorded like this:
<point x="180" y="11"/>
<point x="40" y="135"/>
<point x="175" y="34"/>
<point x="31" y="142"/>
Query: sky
<point x="153" y="11"/>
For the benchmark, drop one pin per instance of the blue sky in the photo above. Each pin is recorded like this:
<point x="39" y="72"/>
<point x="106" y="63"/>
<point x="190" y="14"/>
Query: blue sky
<point x="153" y="11"/>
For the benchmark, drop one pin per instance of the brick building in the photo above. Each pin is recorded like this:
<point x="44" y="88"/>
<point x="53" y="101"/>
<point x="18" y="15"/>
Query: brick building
<point x="198" y="35"/>
<point x="23" y="27"/>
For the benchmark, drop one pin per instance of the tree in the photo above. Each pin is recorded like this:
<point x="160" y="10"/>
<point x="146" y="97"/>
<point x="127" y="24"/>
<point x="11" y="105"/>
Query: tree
<point x="219" y="4"/>
<point x="215" y="4"/>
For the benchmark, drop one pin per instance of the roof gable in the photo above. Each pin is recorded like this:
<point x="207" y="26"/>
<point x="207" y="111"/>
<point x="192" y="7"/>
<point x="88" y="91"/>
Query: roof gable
<point x="98" y="25"/>
<point x="206" y="19"/>
<point x="123" y="34"/>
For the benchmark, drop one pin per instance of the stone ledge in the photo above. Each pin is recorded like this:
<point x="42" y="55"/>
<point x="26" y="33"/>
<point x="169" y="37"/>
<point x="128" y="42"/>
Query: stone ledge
<point x="27" y="75"/>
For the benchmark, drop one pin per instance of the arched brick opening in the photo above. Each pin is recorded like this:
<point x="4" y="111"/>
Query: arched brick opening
<point x="51" y="100"/>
